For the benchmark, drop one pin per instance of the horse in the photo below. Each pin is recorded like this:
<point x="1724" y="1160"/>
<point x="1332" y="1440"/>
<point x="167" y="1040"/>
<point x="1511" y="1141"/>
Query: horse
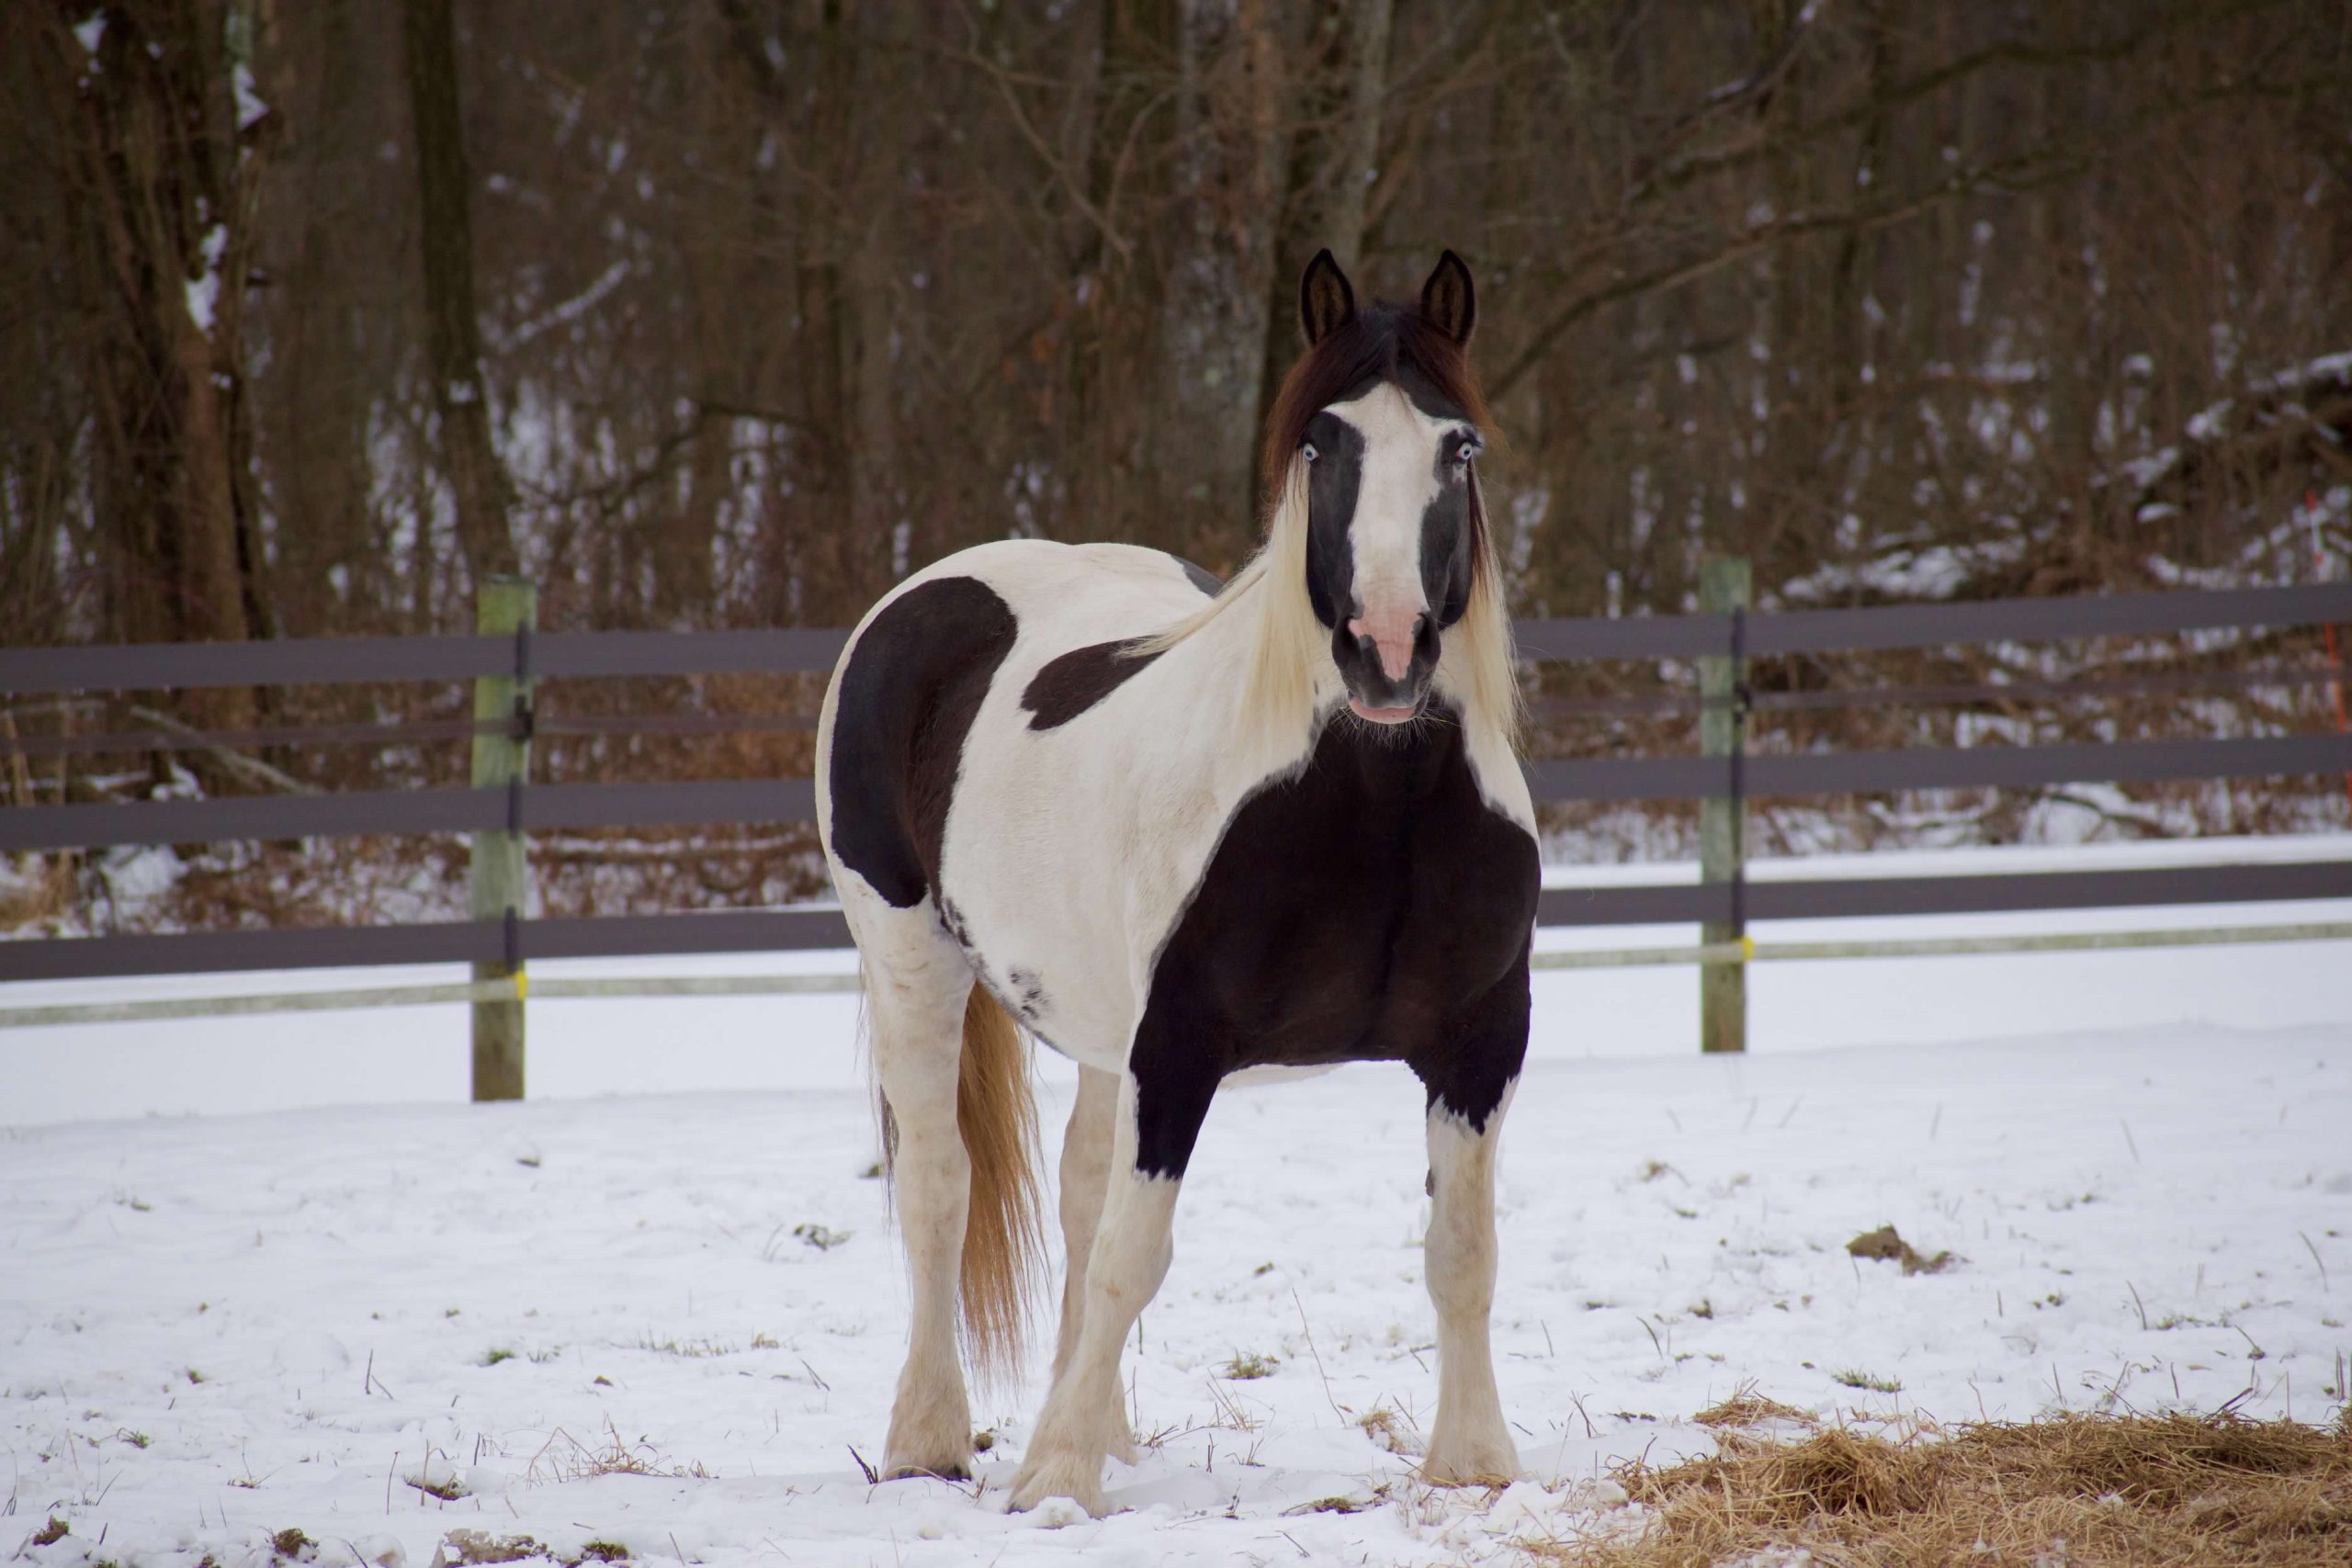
<point x="1177" y="832"/>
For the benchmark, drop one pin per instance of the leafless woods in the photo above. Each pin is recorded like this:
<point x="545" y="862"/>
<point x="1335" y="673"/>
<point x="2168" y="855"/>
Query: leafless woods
<point x="724" y="311"/>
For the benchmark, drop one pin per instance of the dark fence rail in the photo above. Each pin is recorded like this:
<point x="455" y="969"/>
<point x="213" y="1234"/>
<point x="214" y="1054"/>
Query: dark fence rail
<point x="509" y="942"/>
<point x="544" y="808"/>
<point x="524" y="806"/>
<point x="2005" y="893"/>
<point x="534" y="808"/>
<point x="1936" y="767"/>
<point x="297" y="661"/>
<point x="330" y="661"/>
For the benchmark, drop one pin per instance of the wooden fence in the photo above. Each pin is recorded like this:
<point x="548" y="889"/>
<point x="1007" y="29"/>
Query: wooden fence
<point x="503" y="805"/>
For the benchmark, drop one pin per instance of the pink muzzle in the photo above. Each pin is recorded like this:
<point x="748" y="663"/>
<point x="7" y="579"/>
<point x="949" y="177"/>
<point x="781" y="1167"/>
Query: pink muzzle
<point x="1391" y="629"/>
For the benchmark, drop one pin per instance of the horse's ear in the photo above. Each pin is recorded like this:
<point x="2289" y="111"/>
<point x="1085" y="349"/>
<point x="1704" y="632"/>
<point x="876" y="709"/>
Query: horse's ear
<point x="1325" y="303"/>
<point x="1449" y="303"/>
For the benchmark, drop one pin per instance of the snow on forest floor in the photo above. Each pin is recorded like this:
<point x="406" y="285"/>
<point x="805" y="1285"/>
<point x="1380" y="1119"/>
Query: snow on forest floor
<point x="670" y="1322"/>
<point x="665" y="1323"/>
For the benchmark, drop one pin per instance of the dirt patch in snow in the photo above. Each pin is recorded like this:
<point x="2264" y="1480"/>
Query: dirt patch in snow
<point x="1885" y="1245"/>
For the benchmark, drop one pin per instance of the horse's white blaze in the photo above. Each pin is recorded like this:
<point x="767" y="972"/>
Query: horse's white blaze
<point x="1398" y="481"/>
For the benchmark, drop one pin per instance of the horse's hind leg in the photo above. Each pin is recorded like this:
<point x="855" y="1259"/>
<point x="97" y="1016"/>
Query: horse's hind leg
<point x="1085" y="1177"/>
<point x="1152" y="1129"/>
<point x="917" y="984"/>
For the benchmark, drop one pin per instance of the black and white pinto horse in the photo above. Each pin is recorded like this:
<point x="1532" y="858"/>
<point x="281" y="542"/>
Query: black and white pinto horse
<point x="1179" y="834"/>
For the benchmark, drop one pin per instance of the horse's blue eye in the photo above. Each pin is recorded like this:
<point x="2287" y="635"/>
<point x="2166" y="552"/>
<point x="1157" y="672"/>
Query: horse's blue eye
<point x="1464" y="451"/>
<point x="1307" y="450"/>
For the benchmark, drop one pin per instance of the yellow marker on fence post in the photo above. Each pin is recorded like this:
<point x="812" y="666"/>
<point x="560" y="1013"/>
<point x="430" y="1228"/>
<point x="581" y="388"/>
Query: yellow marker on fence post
<point x="1724" y="587"/>
<point x="500" y="882"/>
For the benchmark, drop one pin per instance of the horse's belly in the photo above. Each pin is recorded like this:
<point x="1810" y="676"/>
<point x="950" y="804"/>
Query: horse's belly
<point x="1044" y="938"/>
<point x="1059" y="845"/>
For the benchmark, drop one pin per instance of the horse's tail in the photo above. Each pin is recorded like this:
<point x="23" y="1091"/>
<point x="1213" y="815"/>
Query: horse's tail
<point x="1003" y="1240"/>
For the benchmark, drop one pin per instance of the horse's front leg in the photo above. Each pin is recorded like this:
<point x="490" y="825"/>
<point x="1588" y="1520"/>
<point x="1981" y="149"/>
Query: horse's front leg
<point x="1154" y="1125"/>
<point x="1470" y="1088"/>
<point x="1469" y="1443"/>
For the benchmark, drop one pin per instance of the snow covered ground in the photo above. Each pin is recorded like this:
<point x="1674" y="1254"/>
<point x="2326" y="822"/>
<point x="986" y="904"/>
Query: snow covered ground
<point x="664" y="1321"/>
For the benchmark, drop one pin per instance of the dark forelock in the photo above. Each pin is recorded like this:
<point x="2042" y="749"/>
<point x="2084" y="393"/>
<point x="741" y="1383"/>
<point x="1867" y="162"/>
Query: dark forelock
<point x="1380" y="342"/>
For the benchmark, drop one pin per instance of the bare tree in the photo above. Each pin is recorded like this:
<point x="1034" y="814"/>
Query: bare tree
<point x="161" y="156"/>
<point x="477" y="478"/>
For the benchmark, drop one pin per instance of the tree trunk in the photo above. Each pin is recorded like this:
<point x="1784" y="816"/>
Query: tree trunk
<point x="1337" y="95"/>
<point x="1117" y="283"/>
<point x="834" y="590"/>
<point x="453" y="332"/>
<point x="1218" y="251"/>
<point x="167" y="204"/>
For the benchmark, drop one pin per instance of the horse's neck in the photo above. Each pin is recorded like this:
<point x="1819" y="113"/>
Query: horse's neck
<point x="1259" y="702"/>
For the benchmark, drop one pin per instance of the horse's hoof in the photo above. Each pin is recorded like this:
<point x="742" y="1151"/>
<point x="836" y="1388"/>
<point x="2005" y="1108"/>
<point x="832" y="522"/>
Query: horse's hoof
<point x="1069" y="1477"/>
<point x="912" y="1471"/>
<point x="1459" y="1463"/>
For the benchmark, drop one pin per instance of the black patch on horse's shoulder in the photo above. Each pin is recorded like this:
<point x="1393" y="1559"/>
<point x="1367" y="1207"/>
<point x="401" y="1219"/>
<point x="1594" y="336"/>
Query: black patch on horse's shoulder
<point x="1072" y="683"/>
<point x="907" y="697"/>
<point x="1373" y="908"/>
<point x="1203" y="577"/>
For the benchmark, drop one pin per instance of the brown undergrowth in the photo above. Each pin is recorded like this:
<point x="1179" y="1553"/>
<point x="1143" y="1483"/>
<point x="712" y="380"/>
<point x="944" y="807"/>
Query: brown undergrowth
<point x="2143" y="1491"/>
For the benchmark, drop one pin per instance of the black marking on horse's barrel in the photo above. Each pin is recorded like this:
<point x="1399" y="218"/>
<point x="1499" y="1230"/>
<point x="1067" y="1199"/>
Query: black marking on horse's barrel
<point x="1028" y="998"/>
<point x="952" y="917"/>
<point x="1203" y="577"/>
<point x="1375" y="907"/>
<point x="909" y="694"/>
<point x="1072" y="683"/>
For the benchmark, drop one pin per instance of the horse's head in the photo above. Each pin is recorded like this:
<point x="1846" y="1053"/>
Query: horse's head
<point x="1380" y="421"/>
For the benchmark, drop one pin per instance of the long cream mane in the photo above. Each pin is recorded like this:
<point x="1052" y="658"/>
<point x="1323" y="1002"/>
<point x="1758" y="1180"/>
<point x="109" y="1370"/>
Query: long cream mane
<point x="1288" y="651"/>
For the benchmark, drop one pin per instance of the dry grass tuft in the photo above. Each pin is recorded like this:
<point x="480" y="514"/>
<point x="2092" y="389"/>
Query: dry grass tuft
<point x="1387" y="1430"/>
<point x="564" y="1457"/>
<point x="2152" y="1491"/>
<point x="1884" y="1244"/>
<point x="1746" y="1408"/>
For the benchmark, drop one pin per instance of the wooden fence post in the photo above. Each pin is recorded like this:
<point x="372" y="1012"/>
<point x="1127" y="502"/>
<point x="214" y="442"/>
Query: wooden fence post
<point x="1723" y="590"/>
<point x="500" y="876"/>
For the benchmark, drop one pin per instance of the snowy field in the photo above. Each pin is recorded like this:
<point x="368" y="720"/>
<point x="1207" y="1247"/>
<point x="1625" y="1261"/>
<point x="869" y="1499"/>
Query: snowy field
<point x="659" y="1308"/>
